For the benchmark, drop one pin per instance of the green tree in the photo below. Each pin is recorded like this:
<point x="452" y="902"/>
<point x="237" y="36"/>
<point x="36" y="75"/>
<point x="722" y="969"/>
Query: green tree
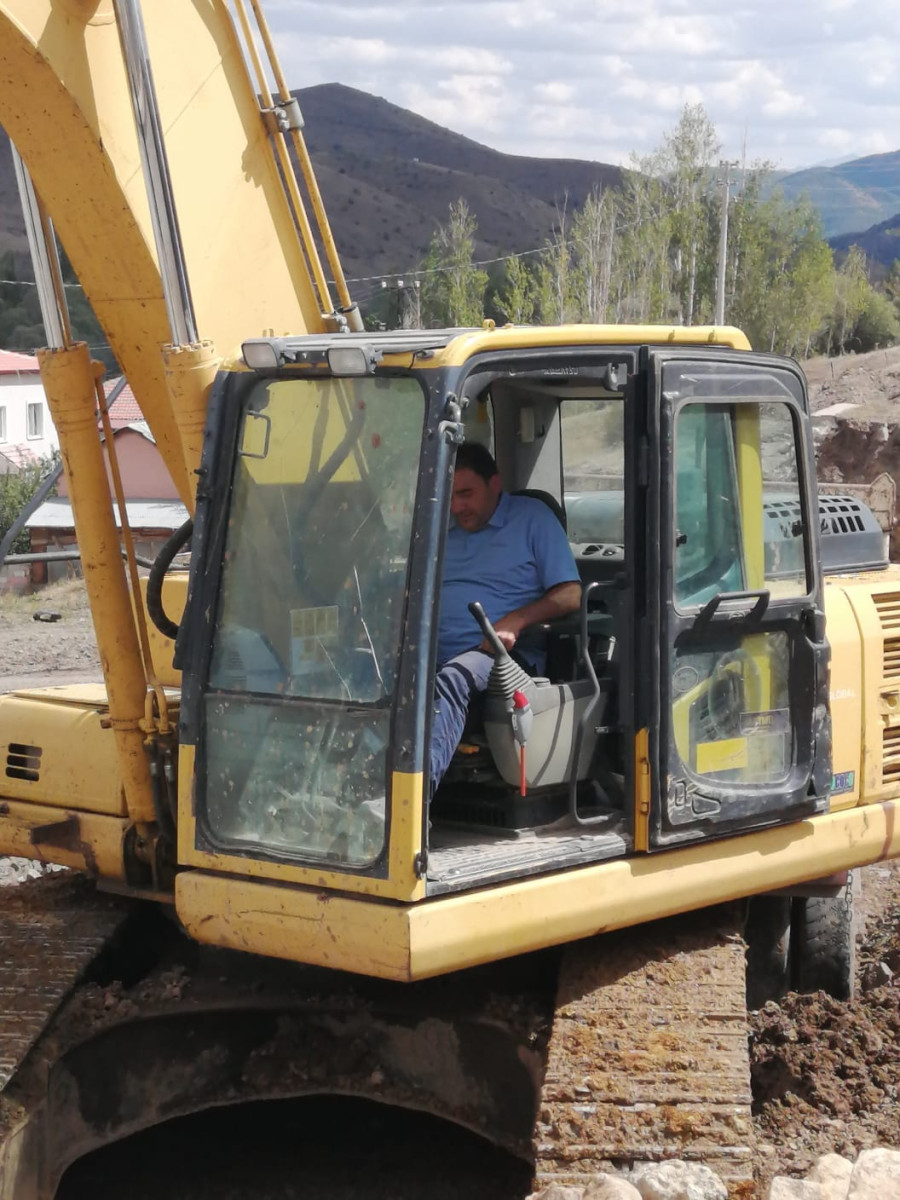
<point x="557" y="304"/>
<point x="892" y="284"/>
<point x="878" y="324"/>
<point x="15" y="492"/>
<point x="641" y="285"/>
<point x="685" y="164"/>
<point x="593" y="250"/>
<point x="781" y="270"/>
<point x="851" y="296"/>
<point x="453" y="286"/>
<point x="517" y="300"/>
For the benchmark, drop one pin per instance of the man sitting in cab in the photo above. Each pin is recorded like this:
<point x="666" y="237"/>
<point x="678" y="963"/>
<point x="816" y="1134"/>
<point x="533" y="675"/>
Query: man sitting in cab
<point x="510" y="553"/>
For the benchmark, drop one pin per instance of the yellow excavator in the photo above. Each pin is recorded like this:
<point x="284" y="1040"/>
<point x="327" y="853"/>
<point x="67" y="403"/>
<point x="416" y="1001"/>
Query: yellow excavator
<point x="716" y="741"/>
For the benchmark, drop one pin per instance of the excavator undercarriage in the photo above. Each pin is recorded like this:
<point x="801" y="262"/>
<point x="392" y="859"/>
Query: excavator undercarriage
<point x="116" y="1022"/>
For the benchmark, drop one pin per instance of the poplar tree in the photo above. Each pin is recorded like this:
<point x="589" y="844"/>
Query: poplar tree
<point x="593" y="251"/>
<point x="851" y="295"/>
<point x="684" y="163"/>
<point x="557" y="304"/>
<point x="453" y="286"/>
<point x="519" y="297"/>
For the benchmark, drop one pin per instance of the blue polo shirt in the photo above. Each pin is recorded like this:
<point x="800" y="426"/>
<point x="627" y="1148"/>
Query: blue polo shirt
<point x="519" y="555"/>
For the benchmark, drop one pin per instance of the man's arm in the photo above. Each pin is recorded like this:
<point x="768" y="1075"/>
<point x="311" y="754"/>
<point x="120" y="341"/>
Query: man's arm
<point x="556" y="602"/>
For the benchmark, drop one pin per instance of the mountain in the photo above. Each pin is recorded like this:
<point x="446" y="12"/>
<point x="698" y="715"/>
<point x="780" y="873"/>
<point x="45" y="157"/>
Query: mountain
<point x="852" y="196"/>
<point x="880" y="244"/>
<point x="388" y="177"/>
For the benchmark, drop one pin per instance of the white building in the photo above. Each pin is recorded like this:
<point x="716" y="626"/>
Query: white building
<point x="26" y="431"/>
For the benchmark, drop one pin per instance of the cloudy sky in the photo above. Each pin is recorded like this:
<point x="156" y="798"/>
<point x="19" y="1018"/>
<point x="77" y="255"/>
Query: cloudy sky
<point x="798" y="81"/>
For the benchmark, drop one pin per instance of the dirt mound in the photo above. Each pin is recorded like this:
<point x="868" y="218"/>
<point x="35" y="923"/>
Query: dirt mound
<point x="826" y="1074"/>
<point x="869" y="382"/>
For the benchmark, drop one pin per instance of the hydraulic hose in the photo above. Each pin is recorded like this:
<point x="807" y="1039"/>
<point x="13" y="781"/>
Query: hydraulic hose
<point x="174" y="543"/>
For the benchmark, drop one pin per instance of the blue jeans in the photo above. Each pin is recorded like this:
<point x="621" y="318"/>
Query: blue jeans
<point x="455" y="684"/>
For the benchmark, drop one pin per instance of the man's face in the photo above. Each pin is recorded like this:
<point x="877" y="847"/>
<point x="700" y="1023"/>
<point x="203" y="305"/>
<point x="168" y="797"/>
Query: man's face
<point x="474" y="499"/>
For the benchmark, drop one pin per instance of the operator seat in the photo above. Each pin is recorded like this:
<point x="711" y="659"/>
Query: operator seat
<point x="547" y="498"/>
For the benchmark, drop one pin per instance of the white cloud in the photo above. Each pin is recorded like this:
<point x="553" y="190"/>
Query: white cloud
<point x="798" y="79"/>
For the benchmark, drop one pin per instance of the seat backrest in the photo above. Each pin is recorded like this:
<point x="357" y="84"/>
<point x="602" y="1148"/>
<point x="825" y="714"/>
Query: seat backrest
<point x="552" y="503"/>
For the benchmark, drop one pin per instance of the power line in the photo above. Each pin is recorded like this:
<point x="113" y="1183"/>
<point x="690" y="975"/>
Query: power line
<point x="482" y="262"/>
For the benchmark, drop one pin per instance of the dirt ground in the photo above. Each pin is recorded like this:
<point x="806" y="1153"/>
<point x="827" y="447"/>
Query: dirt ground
<point x="826" y="1074"/>
<point x="868" y="382"/>
<point x="47" y="638"/>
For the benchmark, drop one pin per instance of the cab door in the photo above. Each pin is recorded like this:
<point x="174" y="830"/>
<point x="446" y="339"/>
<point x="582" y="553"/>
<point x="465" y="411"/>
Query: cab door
<point x="740" y="735"/>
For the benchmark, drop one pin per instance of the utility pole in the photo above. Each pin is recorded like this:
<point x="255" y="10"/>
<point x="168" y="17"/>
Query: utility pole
<point x="408" y="299"/>
<point x="409" y="304"/>
<point x="723" y="244"/>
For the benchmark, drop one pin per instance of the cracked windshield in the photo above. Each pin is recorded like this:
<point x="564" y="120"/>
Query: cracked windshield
<point x="308" y="637"/>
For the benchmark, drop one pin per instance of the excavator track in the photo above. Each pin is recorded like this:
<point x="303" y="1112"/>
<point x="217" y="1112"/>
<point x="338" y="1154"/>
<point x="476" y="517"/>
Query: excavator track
<point x="648" y="1057"/>
<point x="51" y="930"/>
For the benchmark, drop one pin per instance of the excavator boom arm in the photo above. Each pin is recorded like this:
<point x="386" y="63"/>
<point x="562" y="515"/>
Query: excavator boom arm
<point x="65" y="102"/>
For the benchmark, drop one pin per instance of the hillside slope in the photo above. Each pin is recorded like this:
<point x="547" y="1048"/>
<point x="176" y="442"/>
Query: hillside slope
<point x="853" y="196"/>
<point x="880" y="244"/>
<point x="389" y="176"/>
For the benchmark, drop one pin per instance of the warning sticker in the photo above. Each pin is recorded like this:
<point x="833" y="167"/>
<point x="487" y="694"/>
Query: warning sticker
<point x="774" y="720"/>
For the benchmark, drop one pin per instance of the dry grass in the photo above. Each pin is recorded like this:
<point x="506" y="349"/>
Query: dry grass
<point x="67" y="596"/>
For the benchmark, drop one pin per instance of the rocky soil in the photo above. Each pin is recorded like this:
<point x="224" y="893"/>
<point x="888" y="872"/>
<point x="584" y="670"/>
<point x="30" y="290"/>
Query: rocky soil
<point x="826" y="1074"/>
<point x="855" y="400"/>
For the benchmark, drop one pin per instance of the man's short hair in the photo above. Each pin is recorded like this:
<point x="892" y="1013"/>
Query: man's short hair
<point x="472" y="456"/>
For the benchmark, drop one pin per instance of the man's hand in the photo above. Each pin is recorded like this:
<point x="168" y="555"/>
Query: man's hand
<point x="557" y="602"/>
<point x="507" y="629"/>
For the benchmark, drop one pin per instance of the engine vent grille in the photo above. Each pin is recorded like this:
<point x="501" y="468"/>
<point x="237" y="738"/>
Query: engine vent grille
<point x="841" y="514"/>
<point x="891" y="664"/>
<point x="890" y="766"/>
<point x="887" y="605"/>
<point x="23" y="762"/>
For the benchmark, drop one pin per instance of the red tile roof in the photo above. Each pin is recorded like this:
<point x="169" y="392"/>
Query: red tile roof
<point x="124" y="409"/>
<point x="12" y="362"/>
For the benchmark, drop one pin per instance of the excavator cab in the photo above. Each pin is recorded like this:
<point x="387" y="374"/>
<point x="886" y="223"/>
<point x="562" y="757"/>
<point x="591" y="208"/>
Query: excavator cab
<point x="685" y="701"/>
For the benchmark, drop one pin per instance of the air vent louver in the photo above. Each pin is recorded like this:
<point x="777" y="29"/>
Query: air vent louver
<point x="23" y="762"/>
<point x="890" y="765"/>
<point x="887" y="605"/>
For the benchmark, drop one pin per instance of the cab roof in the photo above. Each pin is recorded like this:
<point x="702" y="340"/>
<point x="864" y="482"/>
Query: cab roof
<point x="453" y="346"/>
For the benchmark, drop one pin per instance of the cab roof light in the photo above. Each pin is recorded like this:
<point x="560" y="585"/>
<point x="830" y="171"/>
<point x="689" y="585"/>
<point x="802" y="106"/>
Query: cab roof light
<point x="352" y="360"/>
<point x="261" y="354"/>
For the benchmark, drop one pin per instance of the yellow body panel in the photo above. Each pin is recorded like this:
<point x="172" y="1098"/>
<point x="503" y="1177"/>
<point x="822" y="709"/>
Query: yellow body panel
<point x="408" y="942"/>
<point x="83" y="841"/>
<point x="78" y="762"/>
<point x="750" y="482"/>
<point x="875" y="600"/>
<point x="162" y="649"/>
<point x="845" y="689"/>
